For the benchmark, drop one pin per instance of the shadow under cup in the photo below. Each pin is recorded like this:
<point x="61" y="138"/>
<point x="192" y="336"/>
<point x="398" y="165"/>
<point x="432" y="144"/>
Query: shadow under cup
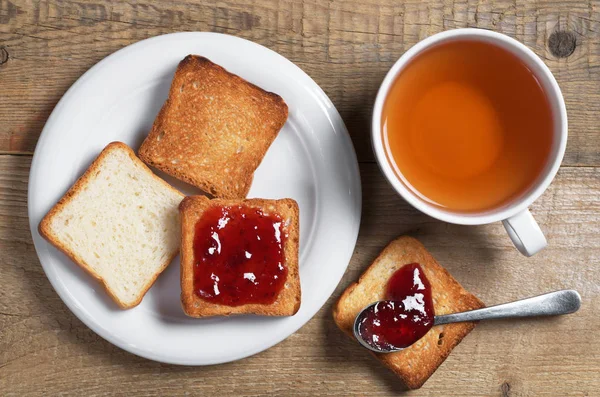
<point x="425" y="135"/>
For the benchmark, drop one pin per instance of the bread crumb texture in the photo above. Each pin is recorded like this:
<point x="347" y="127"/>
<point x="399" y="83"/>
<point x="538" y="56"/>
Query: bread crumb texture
<point x="214" y="129"/>
<point x="120" y="222"/>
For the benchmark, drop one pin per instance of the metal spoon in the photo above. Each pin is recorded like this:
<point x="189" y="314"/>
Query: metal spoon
<point x="550" y="304"/>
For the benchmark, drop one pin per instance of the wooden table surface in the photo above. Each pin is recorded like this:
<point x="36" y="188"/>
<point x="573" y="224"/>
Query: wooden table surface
<point x="347" y="47"/>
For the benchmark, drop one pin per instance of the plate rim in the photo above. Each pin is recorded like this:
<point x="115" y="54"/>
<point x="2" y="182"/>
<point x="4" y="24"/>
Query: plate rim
<point x="63" y="292"/>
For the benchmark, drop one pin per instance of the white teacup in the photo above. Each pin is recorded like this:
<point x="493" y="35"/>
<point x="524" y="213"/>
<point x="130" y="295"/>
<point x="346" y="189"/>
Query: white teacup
<point x="518" y="221"/>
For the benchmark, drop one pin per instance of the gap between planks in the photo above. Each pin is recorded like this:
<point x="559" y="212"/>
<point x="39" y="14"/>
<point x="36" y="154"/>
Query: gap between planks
<point x="30" y="154"/>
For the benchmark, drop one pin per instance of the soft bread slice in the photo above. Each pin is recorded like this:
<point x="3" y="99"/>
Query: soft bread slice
<point x="288" y="302"/>
<point x="214" y="129"/>
<point x="119" y="222"/>
<point x="417" y="363"/>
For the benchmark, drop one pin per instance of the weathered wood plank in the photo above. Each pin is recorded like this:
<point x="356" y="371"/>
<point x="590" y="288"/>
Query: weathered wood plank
<point x="44" y="349"/>
<point x="347" y="47"/>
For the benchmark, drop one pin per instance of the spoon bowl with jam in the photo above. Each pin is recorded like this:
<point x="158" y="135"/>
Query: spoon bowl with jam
<point x="408" y="314"/>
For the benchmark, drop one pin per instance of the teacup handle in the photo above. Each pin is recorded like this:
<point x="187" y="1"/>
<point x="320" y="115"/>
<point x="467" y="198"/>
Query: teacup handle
<point x="525" y="233"/>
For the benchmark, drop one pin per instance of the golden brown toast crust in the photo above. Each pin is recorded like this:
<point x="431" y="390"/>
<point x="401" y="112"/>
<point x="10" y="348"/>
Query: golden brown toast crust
<point x="417" y="363"/>
<point x="45" y="229"/>
<point x="288" y="302"/>
<point x="214" y="129"/>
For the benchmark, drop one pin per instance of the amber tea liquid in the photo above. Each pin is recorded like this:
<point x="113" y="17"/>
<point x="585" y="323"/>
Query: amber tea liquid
<point x="467" y="126"/>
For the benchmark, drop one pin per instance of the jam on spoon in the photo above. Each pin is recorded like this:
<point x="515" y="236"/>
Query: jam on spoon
<point x="405" y="315"/>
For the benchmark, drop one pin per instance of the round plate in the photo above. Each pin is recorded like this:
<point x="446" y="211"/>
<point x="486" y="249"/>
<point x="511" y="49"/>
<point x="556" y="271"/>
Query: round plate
<point x="312" y="161"/>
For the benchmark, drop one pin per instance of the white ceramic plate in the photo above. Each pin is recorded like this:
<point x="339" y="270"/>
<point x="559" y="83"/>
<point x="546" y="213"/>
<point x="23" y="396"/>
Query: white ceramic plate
<point x="312" y="160"/>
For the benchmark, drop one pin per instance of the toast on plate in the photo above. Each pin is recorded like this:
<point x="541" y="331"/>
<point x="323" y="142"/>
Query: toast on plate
<point x="214" y="129"/>
<point x="415" y="364"/>
<point x="231" y="249"/>
<point x="119" y="222"/>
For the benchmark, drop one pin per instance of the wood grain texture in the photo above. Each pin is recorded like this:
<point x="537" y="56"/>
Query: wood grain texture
<point x="346" y="46"/>
<point x="44" y="349"/>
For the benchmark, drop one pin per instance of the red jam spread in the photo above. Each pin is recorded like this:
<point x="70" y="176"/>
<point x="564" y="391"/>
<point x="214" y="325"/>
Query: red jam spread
<point x="405" y="316"/>
<point x="239" y="256"/>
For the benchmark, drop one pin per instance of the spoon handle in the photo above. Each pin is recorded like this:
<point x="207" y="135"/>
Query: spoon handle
<point x="551" y="304"/>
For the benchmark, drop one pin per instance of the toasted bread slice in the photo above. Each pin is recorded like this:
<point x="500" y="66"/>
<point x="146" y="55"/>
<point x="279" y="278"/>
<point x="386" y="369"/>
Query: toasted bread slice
<point x="415" y="364"/>
<point x="214" y="129"/>
<point x="192" y="208"/>
<point x="119" y="222"/>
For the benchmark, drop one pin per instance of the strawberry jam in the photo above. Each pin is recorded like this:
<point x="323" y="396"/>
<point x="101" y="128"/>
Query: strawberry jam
<point x="239" y="256"/>
<point x="405" y="316"/>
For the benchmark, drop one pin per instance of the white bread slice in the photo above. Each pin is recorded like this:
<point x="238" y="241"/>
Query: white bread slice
<point x="119" y="222"/>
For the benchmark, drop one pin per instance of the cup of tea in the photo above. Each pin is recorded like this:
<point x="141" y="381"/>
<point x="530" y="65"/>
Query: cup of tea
<point x="470" y="127"/>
